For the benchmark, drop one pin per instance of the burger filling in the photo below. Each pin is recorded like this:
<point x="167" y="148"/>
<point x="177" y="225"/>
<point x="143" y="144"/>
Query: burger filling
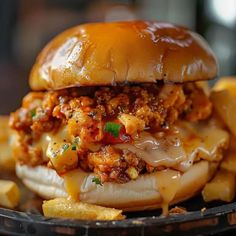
<point x="118" y="132"/>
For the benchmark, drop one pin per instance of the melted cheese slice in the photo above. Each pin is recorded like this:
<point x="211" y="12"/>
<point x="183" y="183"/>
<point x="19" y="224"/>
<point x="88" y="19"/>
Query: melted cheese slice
<point x="181" y="149"/>
<point x="201" y="141"/>
<point x="157" y="152"/>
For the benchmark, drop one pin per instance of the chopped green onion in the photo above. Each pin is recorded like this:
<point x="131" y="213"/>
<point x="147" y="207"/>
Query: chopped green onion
<point x="65" y="147"/>
<point x="33" y="113"/>
<point x="113" y="128"/>
<point x="73" y="146"/>
<point x="96" y="180"/>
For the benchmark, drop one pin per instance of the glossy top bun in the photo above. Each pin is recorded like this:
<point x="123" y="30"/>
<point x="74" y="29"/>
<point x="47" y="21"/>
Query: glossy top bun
<point x="120" y="52"/>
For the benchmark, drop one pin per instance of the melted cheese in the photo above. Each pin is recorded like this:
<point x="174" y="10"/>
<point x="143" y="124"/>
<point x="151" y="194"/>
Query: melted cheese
<point x="47" y="138"/>
<point x="168" y="182"/>
<point x="157" y="152"/>
<point x="201" y="141"/>
<point x="60" y="137"/>
<point x="180" y="150"/>
<point x="73" y="182"/>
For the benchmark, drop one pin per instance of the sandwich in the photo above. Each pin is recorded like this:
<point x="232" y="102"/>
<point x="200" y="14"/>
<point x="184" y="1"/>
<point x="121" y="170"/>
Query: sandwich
<point x="118" y="117"/>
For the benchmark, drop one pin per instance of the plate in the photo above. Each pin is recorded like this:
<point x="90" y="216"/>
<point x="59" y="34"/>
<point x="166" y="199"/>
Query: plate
<point x="212" y="218"/>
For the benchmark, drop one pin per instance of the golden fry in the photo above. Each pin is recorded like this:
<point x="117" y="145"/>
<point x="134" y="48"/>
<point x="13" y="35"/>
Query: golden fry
<point x="4" y="129"/>
<point x="9" y="194"/>
<point x="229" y="162"/>
<point x="204" y="85"/>
<point x="225" y="105"/>
<point x="6" y="160"/>
<point x="67" y="208"/>
<point x="226" y="83"/>
<point x="222" y="187"/>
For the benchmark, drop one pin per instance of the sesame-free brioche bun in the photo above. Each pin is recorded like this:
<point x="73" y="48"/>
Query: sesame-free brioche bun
<point x="120" y="52"/>
<point x="139" y="194"/>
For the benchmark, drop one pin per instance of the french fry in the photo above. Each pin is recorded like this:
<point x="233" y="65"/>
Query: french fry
<point x="226" y="83"/>
<point x="9" y="194"/>
<point x="4" y="130"/>
<point x="6" y="160"/>
<point x="229" y="162"/>
<point x="204" y="85"/>
<point x="213" y="166"/>
<point x="222" y="187"/>
<point x="67" y="208"/>
<point x="225" y="105"/>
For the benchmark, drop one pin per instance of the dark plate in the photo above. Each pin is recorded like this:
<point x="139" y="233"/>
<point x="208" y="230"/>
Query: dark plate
<point x="215" y="219"/>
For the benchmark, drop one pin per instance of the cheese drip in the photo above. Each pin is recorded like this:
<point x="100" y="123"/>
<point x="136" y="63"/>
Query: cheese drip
<point x="168" y="182"/>
<point x="179" y="150"/>
<point x="73" y="182"/>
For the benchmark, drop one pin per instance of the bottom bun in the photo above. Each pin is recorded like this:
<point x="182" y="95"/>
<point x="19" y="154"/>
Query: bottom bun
<point x="139" y="194"/>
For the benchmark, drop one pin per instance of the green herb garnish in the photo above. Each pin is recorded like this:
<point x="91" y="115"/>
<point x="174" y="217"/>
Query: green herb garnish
<point x="73" y="146"/>
<point x="97" y="181"/>
<point x="33" y="113"/>
<point x="113" y="128"/>
<point x="65" y="147"/>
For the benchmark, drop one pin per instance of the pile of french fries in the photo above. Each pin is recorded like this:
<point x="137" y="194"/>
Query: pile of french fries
<point x="223" y="185"/>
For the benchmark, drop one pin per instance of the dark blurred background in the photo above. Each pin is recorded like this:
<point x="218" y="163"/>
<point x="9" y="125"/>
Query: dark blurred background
<point x="27" y="25"/>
